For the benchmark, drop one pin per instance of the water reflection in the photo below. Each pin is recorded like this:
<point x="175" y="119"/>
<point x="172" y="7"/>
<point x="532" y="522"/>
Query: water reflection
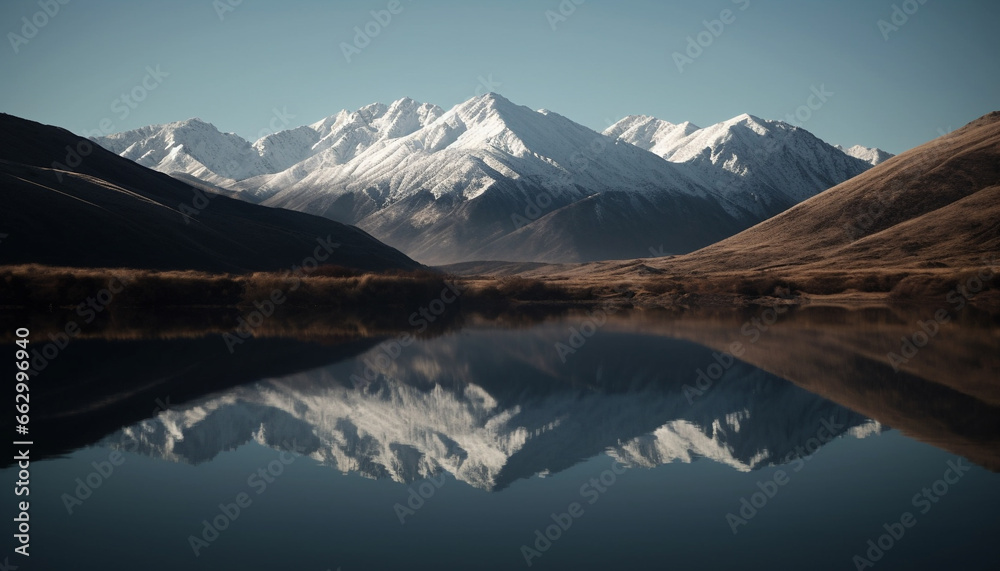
<point x="490" y="407"/>
<point x="499" y="403"/>
<point x="495" y="400"/>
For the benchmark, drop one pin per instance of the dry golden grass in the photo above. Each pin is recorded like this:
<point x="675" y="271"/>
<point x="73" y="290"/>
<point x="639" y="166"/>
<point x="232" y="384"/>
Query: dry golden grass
<point x="910" y="229"/>
<point x="914" y="228"/>
<point x="946" y="395"/>
<point x="43" y="286"/>
<point x="329" y="304"/>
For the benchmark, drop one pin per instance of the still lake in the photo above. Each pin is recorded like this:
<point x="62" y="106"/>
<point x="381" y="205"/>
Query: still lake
<point x="751" y="440"/>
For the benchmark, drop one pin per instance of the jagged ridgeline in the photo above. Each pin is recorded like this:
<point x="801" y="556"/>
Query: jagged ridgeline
<point x="489" y="179"/>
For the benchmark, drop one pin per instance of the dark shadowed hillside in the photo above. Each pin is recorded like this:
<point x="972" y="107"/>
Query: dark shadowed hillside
<point x="68" y="202"/>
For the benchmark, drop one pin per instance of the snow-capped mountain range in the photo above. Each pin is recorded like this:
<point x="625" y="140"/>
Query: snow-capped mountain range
<point x="489" y="179"/>
<point x="444" y="406"/>
<point x="867" y="154"/>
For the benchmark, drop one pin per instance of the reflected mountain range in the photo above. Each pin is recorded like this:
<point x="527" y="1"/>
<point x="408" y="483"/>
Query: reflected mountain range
<point x="493" y="406"/>
<point x="492" y="402"/>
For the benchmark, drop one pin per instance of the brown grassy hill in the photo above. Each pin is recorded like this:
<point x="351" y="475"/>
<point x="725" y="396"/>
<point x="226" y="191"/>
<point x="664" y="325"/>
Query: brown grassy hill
<point x="946" y="396"/>
<point x="915" y="226"/>
<point x="933" y="206"/>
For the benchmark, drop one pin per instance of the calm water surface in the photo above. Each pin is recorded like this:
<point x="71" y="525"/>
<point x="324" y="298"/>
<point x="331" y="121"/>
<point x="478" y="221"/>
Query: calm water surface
<point x="641" y="443"/>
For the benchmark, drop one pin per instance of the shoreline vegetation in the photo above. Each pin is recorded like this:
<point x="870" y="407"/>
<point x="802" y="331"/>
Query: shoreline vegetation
<point x="944" y="393"/>
<point x="333" y="287"/>
<point x="332" y="303"/>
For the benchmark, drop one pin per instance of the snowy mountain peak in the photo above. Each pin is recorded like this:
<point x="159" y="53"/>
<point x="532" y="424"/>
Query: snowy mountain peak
<point x="323" y="126"/>
<point x="755" y="124"/>
<point x="396" y="119"/>
<point x="763" y="155"/>
<point x="405" y="170"/>
<point x="405" y="116"/>
<point x="463" y="417"/>
<point x="491" y="102"/>
<point x="349" y="133"/>
<point x="494" y="98"/>
<point x="192" y="122"/>
<point x="192" y="146"/>
<point x="871" y="155"/>
<point x="488" y="121"/>
<point x="372" y="111"/>
<point x="648" y="132"/>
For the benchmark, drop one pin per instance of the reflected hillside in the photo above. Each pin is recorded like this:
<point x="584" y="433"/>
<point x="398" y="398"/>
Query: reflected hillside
<point x="946" y="394"/>
<point x="493" y="406"/>
<point x="94" y="387"/>
<point x="491" y="400"/>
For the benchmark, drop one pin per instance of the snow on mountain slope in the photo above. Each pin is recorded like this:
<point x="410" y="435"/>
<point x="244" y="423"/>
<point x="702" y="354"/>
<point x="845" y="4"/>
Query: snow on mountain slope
<point x="192" y="146"/>
<point x="649" y="133"/>
<point x="473" y="146"/>
<point x="341" y="138"/>
<point x="284" y="149"/>
<point x="754" y="161"/>
<point x="345" y="135"/>
<point x="199" y="149"/>
<point x="455" y="185"/>
<point x="443" y="406"/>
<point x="871" y="155"/>
<point x="489" y="177"/>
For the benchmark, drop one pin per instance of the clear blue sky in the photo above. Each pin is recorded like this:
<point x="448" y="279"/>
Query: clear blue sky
<point x="608" y="59"/>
